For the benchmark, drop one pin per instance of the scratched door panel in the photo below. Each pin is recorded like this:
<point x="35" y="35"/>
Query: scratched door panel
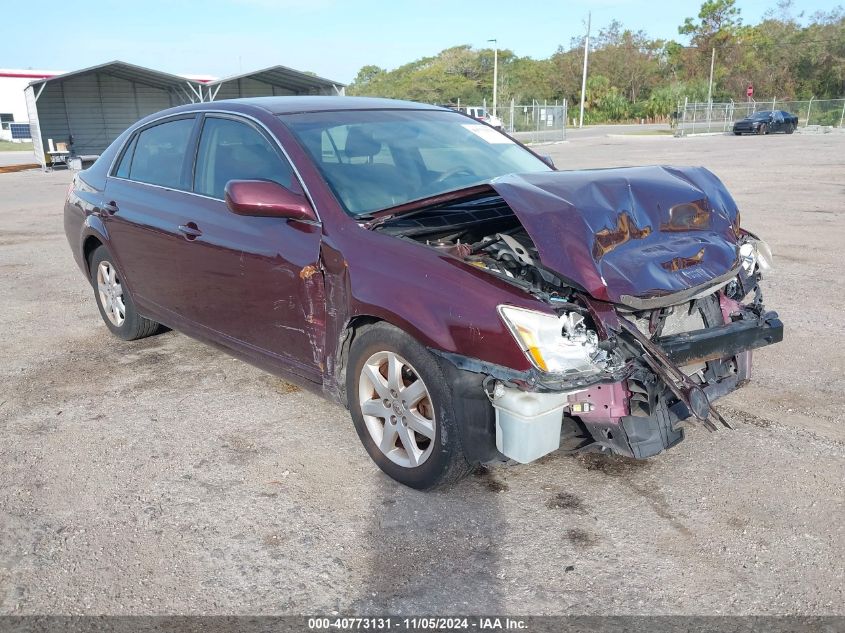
<point x="256" y="280"/>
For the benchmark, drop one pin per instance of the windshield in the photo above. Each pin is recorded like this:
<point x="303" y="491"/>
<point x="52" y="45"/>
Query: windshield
<point x="377" y="159"/>
<point x="761" y="116"/>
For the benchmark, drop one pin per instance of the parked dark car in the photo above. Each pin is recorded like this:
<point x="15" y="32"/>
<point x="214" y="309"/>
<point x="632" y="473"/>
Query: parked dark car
<point x="464" y="300"/>
<point x="767" y="122"/>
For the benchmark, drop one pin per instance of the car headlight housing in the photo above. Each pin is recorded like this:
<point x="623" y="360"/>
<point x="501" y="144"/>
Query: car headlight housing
<point x="756" y="254"/>
<point x="556" y="344"/>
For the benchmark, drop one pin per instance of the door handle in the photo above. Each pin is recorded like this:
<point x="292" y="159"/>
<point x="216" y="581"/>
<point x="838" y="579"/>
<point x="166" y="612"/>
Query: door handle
<point x="190" y="230"/>
<point x="109" y="208"/>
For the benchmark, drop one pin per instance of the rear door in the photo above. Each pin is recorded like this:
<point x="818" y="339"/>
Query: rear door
<point x="146" y="196"/>
<point x="254" y="280"/>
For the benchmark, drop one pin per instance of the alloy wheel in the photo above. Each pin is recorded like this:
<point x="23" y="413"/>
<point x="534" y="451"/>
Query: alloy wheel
<point x="397" y="409"/>
<point x="110" y="291"/>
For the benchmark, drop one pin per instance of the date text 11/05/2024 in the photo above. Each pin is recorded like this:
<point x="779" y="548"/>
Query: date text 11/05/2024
<point x="425" y="623"/>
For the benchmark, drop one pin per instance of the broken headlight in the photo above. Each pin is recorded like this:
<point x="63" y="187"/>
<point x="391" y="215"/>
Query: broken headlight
<point x="555" y="344"/>
<point x="755" y="253"/>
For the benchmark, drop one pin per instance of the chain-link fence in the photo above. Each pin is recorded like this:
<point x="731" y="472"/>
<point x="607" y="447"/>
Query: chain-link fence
<point x="697" y="118"/>
<point x="537" y="122"/>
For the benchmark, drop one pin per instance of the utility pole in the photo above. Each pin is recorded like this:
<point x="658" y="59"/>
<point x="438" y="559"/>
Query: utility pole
<point x="495" y="73"/>
<point x="584" y="77"/>
<point x="710" y="88"/>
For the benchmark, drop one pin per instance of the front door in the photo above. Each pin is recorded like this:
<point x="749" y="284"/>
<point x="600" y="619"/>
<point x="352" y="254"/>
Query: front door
<point x="254" y="280"/>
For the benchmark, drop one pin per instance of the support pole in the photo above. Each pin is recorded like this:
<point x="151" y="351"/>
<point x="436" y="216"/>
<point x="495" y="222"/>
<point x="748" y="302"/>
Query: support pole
<point x="512" y="125"/>
<point x="584" y="76"/>
<point x="495" y="77"/>
<point x="710" y="88"/>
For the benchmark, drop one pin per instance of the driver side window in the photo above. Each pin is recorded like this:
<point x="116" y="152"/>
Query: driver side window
<point x="234" y="150"/>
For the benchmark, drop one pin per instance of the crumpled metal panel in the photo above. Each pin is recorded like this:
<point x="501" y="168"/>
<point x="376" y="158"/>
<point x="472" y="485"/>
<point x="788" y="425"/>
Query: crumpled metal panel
<point x="628" y="234"/>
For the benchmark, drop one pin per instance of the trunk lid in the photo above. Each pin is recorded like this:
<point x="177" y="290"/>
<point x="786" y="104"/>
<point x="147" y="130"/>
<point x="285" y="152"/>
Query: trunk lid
<point x="639" y="236"/>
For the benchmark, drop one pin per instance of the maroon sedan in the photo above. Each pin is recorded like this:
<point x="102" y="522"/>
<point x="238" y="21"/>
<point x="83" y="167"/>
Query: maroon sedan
<point x="467" y="302"/>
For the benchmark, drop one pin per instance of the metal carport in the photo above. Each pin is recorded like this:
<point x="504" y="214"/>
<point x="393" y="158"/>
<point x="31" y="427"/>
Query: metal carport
<point x="269" y="82"/>
<point x="89" y="108"/>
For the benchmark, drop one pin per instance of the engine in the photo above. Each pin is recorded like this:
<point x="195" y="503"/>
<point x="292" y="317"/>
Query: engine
<point x="509" y="254"/>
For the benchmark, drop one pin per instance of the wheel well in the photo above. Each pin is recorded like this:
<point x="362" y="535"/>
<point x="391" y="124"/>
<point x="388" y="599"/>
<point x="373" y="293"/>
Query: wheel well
<point x="91" y="244"/>
<point x="356" y="323"/>
<point x="354" y="326"/>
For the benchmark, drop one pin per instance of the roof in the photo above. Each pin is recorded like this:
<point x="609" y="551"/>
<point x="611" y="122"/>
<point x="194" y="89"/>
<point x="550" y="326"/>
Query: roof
<point x="203" y="79"/>
<point x="283" y="76"/>
<point x="316" y="103"/>
<point x="124" y="70"/>
<point x="29" y="73"/>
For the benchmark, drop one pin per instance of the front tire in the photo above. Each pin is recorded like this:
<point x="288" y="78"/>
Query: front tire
<point x="116" y="306"/>
<point x="763" y="129"/>
<point x="401" y="405"/>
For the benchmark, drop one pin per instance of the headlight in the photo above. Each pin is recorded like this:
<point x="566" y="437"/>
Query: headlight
<point x="555" y="344"/>
<point x="755" y="252"/>
<point x="765" y="261"/>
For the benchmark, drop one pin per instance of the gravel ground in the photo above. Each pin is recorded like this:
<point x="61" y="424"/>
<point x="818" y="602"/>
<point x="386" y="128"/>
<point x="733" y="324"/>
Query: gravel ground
<point x="162" y="476"/>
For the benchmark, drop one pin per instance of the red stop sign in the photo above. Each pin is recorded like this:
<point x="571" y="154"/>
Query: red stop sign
<point x="750" y="91"/>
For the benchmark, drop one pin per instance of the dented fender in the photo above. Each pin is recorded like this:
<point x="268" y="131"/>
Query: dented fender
<point x="440" y="301"/>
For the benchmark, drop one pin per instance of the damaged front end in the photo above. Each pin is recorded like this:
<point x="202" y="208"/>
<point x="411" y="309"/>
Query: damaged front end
<point x="650" y="296"/>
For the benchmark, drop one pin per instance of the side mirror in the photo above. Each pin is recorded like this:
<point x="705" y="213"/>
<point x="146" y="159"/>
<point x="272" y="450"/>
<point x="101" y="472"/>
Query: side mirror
<point x="262" y="198"/>
<point x="548" y="160"/>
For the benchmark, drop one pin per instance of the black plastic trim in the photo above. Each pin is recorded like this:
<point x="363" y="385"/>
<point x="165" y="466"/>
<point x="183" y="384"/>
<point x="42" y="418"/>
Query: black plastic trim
<point x="723" y="341"/>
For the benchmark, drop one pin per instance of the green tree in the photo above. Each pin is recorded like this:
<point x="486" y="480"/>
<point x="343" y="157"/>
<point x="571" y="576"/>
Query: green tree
<point x="633" y="75"/>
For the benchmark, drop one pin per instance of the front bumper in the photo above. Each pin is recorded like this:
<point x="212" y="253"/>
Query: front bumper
<point x="632" y="413"/>
<point x="722" y="342"/>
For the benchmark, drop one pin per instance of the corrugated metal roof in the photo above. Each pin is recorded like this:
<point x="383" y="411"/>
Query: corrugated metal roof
<point x="131" y="72"/>
<point x="284" y="77"/>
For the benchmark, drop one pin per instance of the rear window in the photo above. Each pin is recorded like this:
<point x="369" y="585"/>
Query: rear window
<point x="159" y="155"/>
<point x="122" y="170"/>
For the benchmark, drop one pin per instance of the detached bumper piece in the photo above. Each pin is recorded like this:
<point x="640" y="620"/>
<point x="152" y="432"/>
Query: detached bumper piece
<point x="723" y="341"/>
<point x="660" y="395"/>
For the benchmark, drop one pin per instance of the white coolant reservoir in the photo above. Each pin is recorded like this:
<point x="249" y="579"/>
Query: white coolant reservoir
<point x="527" y="424"/>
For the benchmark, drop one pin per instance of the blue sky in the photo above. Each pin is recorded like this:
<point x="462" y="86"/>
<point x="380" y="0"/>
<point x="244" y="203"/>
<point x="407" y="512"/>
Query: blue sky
<point x="330" y="37"/>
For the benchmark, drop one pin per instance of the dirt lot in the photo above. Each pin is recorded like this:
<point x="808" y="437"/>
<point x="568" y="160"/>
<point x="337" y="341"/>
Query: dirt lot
<point x="163" y="476"/>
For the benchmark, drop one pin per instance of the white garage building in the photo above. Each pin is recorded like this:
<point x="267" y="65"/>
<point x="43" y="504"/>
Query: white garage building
<point x="13" y="81"/>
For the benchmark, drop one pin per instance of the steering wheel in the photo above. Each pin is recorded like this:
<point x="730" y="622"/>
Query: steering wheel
<point x="455" y="171"/>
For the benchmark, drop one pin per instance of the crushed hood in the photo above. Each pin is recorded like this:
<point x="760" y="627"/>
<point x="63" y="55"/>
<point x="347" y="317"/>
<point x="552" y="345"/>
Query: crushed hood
<point x="640" y="236"/>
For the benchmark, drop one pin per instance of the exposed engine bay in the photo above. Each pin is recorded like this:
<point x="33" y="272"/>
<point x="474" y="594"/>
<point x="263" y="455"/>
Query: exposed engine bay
<point x="483" y="232"/>
<point x="626" y="361"/>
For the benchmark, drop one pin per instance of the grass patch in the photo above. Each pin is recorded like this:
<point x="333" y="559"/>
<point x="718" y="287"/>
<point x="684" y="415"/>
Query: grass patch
<point x="8" y="146"/>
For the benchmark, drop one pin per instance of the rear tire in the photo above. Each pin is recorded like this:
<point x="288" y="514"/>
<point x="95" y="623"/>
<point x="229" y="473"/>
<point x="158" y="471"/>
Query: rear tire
<point x="414" y="439"/>
<point x="114" y="301"/>
<point x="790" y="128"/>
